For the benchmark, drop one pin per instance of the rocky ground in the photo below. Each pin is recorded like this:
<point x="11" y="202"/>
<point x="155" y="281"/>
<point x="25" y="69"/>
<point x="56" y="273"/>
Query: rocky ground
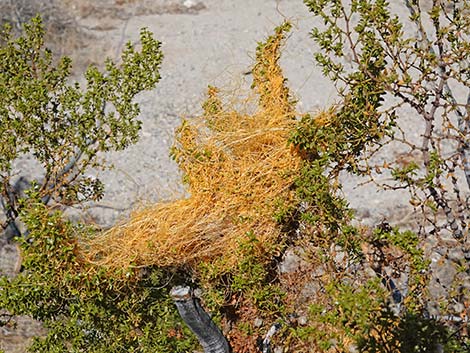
<point x="205" y="43"/>
<point x="209" y="42"/>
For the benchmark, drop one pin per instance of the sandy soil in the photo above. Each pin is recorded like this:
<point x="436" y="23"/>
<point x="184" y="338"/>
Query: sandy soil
<point x="205" y="43"/>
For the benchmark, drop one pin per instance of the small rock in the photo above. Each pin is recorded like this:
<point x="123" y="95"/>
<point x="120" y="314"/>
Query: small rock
<point x="455" y="254"/>
<point x="10" y="257"/>
<point x="353" y="349"/>
<point x="340" y="256"/>
<point x="445" y="273"/>
<point x="258" y="322"/>
<point x="291" y="262"/>
<point x="198" y="292"/>
<point x="302" y="320"/>
<point x="310" y="291"/>
<point x="189" y="3"/>
<point x="458" y="308"/>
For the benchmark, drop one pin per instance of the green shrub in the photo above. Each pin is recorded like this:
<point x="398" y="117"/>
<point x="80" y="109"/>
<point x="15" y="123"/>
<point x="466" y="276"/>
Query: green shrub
<point x="88" y="308"/>
<point x="81" y="305"/>
<point x="63" y="127"/>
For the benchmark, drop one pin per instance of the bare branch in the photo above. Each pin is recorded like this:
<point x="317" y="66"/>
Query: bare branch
<point x="209" y="335"/>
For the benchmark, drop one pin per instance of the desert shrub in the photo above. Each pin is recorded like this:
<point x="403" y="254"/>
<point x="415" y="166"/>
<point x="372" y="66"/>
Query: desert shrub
<point x="266" y="181"/>
<point x="81" y="306"/>
<point x="108" y="292"/>
<point x="62" y="126"/>
<point x="66" y="128"/>
<point x="371" y="58"/>
<point x="230" y="159"/>
<point x="379" y="70"/>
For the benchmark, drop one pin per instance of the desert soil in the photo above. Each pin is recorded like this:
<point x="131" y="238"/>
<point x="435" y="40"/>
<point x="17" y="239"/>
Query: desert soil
<point x="205" y="43"/>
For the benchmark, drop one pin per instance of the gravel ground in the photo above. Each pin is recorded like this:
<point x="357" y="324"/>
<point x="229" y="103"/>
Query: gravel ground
<point x="213" y="45"/>
<point x="209" y="42"/>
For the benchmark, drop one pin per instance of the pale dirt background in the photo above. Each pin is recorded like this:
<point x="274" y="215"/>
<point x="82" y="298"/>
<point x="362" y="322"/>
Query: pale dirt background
<point x="211" y="42"/>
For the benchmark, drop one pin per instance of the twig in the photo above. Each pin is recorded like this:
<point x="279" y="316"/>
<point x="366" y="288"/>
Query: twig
<point x="209" y="335"/>
<point x="267" y="340"/>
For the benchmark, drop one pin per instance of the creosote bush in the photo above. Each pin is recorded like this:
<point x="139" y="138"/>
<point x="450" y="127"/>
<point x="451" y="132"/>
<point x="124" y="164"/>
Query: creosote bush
<point x="266" y="184"/>
<point x="380" y="70"/>
<point x="82" y="307"/>
<point x="61" y="125"/>
<point x="65" y="127"/>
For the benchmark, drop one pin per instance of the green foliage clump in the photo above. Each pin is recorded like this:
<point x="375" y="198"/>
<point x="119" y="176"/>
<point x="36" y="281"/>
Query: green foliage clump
<point x="86" y="308"/>
<point x="83" y="307"/>
<point x="65" y="128"/>
<point x="412" y="334"/>
<point x="251" y="281"/>
<point x="409" y="243"/>
<point x="61" y="125"/>
<point x="365" y="51"/>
